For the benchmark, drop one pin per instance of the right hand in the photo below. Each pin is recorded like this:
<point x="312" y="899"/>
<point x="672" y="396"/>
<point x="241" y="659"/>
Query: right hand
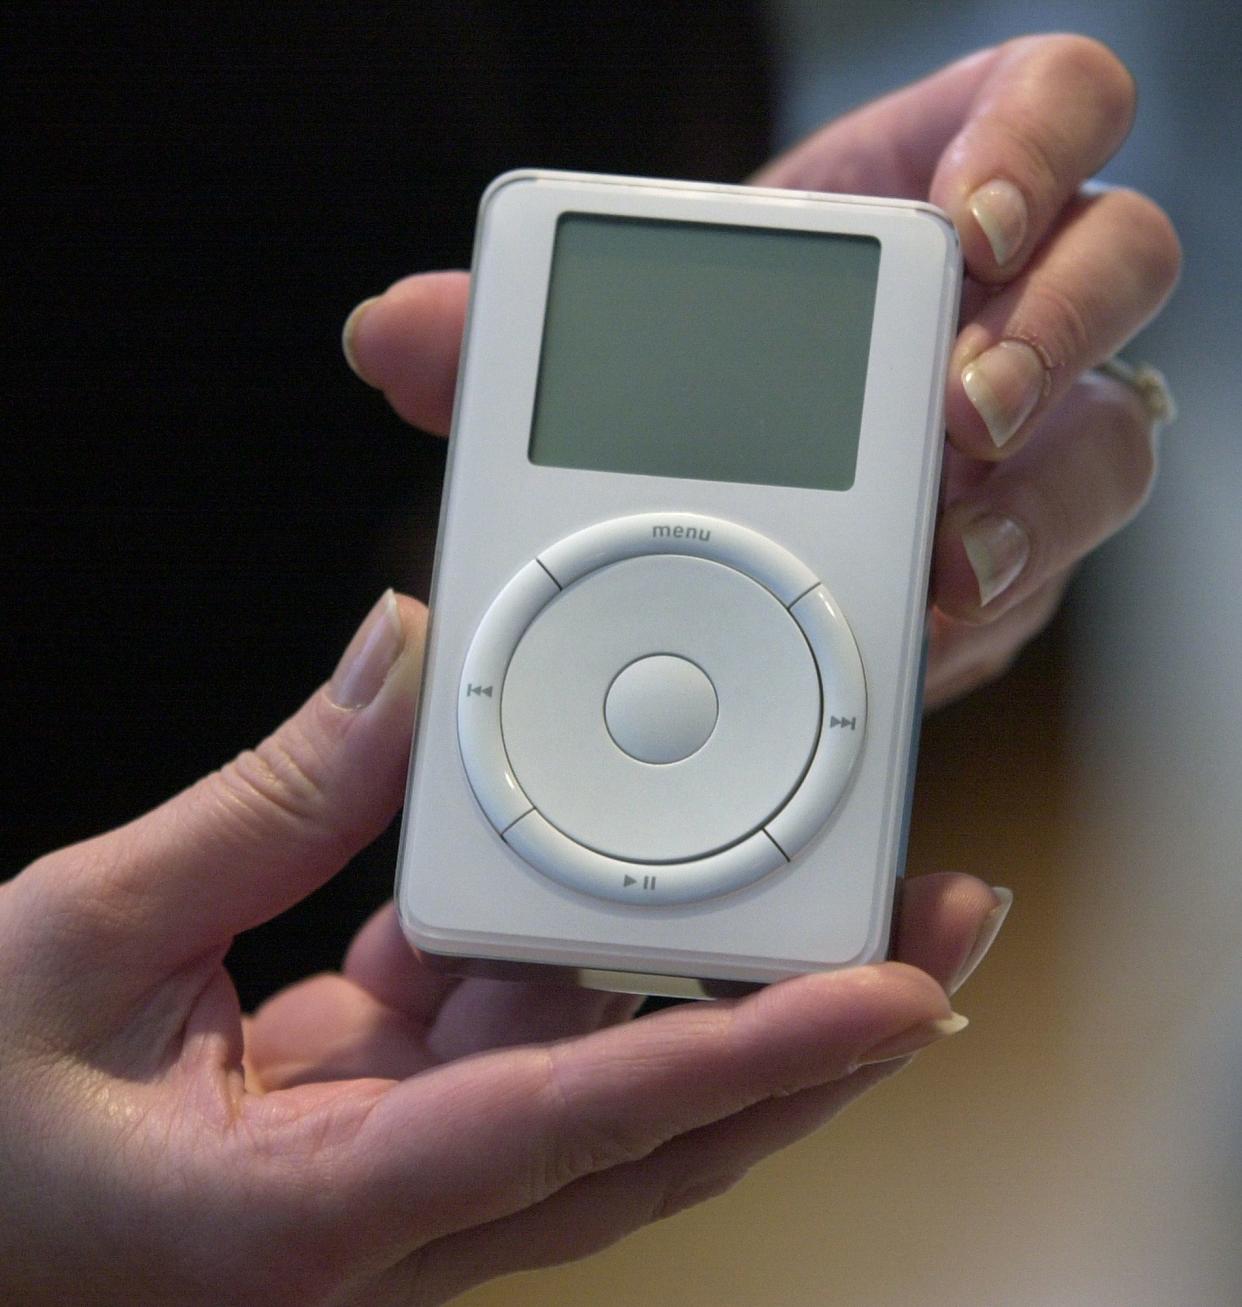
<point x="1065" y="456"/>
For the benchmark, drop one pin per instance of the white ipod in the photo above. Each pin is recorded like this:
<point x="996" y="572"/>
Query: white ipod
<point x="671" y="687"/>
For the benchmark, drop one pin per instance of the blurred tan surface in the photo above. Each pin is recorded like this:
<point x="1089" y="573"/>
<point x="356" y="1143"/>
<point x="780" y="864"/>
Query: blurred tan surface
<point x="1061" y="1151"/>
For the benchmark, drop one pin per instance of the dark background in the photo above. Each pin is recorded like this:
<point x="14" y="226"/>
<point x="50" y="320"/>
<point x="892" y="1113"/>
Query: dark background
<point x="201" y="500"/>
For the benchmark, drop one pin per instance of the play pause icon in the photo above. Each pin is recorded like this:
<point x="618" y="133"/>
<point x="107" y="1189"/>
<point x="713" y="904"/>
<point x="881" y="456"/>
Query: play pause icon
<point x="649" y="882"/>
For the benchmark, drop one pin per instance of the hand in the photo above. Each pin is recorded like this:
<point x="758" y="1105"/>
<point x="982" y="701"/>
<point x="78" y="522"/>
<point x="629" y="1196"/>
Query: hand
<point x="383" y="1135"/>
<point x="1046" y="459"/>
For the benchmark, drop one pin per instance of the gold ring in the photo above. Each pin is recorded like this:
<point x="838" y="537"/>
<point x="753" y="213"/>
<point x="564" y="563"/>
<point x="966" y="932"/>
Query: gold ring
<point x="1148" y="384"/>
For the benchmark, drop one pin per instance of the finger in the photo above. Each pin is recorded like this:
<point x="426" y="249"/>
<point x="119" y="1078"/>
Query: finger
<point x="388" y="1017"/>
<point x="1050" y="113"/>
<point x="965" y="655"/>
<point x="251" y="839"/>
<point x="514" y="1126"/>
<point x="1111" y="264"/>
<point x="1033" y="516"/>
<point x="327" y="1028"/>
<point x="485" y="1014"/>
<point x="471" y="1016"/>
<point x="1000" y="140"/>
<point x="890" y="146"/>
<point x="323" y="1029"/>
<point x="406" y="342"/>
<point x="598" y="1210"/>
<point x="381" y="961"/>
<point x="946" y="925"/>
<point x="944" y="919"/>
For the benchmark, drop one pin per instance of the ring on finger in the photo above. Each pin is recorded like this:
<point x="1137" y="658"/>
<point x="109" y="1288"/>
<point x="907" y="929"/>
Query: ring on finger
<point x="1148" y="384"/>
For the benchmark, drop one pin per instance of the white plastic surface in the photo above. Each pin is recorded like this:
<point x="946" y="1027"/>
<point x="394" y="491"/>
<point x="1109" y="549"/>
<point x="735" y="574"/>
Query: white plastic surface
<point x="661" y="709"/>
<point x="479" y="694"/>
<point x="743" y="638"/>
<point x="636" y="884"/>
<point x="680" y="533"/>
<point x="462" y="890"/>
<point x="843" y="728"/>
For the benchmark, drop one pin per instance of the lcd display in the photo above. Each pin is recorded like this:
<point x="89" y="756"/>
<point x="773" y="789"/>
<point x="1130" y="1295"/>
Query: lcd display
<point x="682" y="349"/>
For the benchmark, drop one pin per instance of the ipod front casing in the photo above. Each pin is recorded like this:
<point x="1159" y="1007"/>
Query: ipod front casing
<point x="607" y="563"/>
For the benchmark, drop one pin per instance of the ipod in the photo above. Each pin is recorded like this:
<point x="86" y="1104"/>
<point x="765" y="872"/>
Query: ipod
<point x="671" y="687"/>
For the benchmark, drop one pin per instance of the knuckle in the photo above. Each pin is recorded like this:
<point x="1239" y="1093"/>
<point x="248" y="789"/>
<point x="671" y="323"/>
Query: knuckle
<point x="1154" y="238"/>
<point x="1076" y="105"/>
<point x="1107" y="475"/>
<point x="1032" y="148"/>
<point x="67" y="868"/>
<point x="1097" y="66"/>
<point x="36" y="884"/>
<point x="587" y="1149"/>
<point x="1061" y="323"/>
<point x="69" y="906"/>
<point x="283" y="778"/>
<point x="578" y="1141"/>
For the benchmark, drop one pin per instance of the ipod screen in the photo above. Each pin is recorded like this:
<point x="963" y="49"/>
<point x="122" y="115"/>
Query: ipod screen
<point x="722" y="353"/>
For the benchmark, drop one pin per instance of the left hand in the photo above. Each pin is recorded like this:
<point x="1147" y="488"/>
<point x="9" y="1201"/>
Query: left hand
<point x="1050" y="458"/>
<point x="384" y="1135"/>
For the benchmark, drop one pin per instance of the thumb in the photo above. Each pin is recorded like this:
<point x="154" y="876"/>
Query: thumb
<point x="253" y="838"/>
<point x="406" y="342"/>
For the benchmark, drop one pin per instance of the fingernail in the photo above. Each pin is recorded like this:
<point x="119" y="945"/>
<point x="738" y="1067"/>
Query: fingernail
<point x="1004" y="384"/>
<point x="1000" y="210"/>
<point x="912" y="1040"/>
<point x="348" y="332"/>
<point x="370" y="655"/>
<point x="997" y="549"/>
<point x="988" y="932"/>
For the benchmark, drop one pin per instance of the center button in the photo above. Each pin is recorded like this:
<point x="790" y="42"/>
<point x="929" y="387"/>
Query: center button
<point x="660" y="709"/>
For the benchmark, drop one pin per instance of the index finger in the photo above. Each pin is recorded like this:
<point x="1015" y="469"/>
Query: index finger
<point x="999" y="140"/>
<point x="1049" y="114"/>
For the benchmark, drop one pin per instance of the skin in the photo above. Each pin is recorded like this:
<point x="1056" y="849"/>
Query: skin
<point x="383" y="1135"/>
<point x="1042" y="114"/>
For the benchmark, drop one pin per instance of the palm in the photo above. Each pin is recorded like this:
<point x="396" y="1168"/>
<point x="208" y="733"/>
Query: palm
<point x="386" y="1016"/>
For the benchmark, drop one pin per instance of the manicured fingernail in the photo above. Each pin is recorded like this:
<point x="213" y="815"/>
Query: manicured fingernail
<point x="997" y="548"/>
<point x="912" y="1040"/>
<point x="370" y="655"/>
<point x="348" y="332"/>
<point x="1000" y="211"/>
<point x="1004" y="384"/>
<point x="988" y="932"/>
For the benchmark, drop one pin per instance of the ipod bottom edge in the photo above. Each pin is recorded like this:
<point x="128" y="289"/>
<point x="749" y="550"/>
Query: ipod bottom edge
<point x="612" y="981"/>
